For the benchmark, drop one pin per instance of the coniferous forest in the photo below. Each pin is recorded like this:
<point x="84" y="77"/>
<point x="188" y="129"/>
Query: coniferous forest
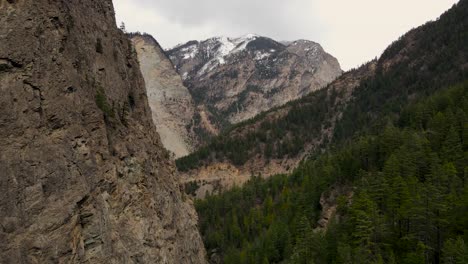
<point x="404" y="198"/>
<point x="114" y="149"/>
<point x="421" y="62"/>
<point x="391" y="185"/>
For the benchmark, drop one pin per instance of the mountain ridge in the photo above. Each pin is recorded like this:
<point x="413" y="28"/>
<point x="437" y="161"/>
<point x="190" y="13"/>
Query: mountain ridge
<point x="386" y="185"/>
<point x="234" y="79"/>
<point x="415" y="64"/>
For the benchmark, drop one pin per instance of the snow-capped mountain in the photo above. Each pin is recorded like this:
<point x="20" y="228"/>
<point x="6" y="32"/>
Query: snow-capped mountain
<point x="216" y="51"/>
<point x="234" y="79"/>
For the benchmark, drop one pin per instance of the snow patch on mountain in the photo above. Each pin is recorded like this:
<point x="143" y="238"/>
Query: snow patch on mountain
<point x="226" y="47"/>
<point x="190" y="52"/>
<point x="197" y="59"/>
<point x="217" y="50"/>
<point x="237" y="78"/>
<point x="220" y="48"/>
<point x="209" y="66"/>
<point x="261" y="55"/>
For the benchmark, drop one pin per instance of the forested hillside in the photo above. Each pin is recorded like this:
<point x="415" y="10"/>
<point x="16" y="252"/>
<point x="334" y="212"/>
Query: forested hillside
<point x="409" y="197"/>
<point x="425" y="59"/>
<point x="387" y="179"/>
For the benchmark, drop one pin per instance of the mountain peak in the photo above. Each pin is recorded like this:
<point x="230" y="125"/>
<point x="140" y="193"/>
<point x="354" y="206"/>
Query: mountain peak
<point x="245" y="37"/>
<point x="234" y="70"/>
<point x="215" y="51"/>
<point x="220" y="50"/>
<point x="303" y="47"/>
<point x="250" y="36"/>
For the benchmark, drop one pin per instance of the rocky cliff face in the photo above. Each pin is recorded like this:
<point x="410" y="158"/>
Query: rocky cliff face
<point x="217" y="176"/>
<point x="359" y="102"/>
<point x="236" y="79"/>
<point x="83" y="175"/>
<point x="170" y="101"/>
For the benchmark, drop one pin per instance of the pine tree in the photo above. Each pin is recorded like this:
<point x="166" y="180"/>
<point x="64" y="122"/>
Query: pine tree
<point x="452" y="149"/>
<point x="390" y="140"/>
<point x="455" y="251"/>
<point x="399" y="204"/>
<point x="392" y="167"/>
<point x="465" y="136"/>
<point x="437" y="129"/>
<point x="344" y="254"/>
<point x="303" y="247"/>
<point x="362" y="211"/>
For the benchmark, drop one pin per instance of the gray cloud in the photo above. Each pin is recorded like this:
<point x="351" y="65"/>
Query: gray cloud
<point x="353" y="31"/>
<point x="240" y="12"/>
<point x="273" y="18"/>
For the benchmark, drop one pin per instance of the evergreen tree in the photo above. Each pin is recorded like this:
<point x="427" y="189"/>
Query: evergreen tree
<point x="452" y="150"/>
<point x="455" y="252"/>
<point x="407" y="199"/>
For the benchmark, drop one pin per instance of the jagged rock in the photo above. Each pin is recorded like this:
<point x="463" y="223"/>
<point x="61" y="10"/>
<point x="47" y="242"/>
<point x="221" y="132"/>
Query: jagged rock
<point x="329" y="202"/>
<point x="236" y="79"/>
<point x="83" y="175"/>
<point x="171" y="103"/>
<point x="225" y="175"/>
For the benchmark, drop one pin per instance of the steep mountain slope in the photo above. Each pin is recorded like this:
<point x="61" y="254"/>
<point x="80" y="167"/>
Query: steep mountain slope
<point x="390" y="187"/>
<point x="170" y="101"/>
<point x="236" y="79"/>
<point x="83" y="175"/>
<point x="420" y="62"/>
<point x="394" y="196"/>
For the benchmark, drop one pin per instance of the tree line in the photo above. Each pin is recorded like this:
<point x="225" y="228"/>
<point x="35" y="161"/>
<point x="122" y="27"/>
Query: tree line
<point x="409" y="202"/>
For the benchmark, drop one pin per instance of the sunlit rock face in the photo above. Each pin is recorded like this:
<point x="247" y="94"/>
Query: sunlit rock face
<point x="170" y="101"/>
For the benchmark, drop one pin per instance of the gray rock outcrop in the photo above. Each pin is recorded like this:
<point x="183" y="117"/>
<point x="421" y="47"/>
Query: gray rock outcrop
<point x="83" y="174"/>
<point x="170" y="101"/>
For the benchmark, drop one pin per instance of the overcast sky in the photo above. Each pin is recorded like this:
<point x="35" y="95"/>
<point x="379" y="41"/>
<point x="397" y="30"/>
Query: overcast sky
<point x="354" y="31"/>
